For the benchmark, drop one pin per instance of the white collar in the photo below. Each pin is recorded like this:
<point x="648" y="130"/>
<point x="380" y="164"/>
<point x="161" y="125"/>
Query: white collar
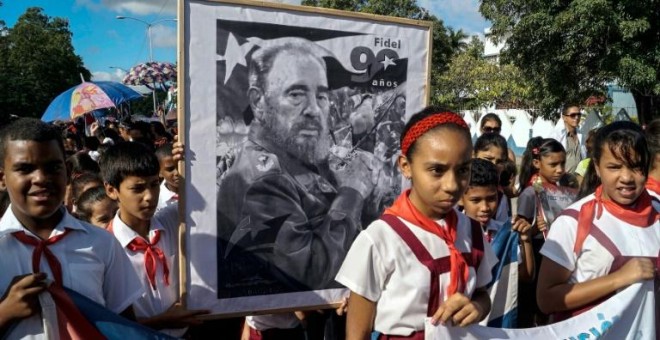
<point x="125" y="234"/>
<point x="9" y="224"/>
<point x="166" y="193"/>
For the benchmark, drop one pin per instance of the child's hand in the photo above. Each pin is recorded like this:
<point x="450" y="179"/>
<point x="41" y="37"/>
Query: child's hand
<point x="635" y="270"/>
<point x="177" y="149"/>
<point x="178" y="316"/>
<point x="521" y="226"/>
<point x="458" y="309"/>
<point x="541" y="224"/>
<point x="343" y="308"/>
<point x="20" y="301"/>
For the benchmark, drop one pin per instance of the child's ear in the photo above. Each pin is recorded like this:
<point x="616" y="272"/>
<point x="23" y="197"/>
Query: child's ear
<point x="404" y="166"/>
<point x="111" y="191"/>
<point x="3" y="185"/>
<point x="536" y="164"/>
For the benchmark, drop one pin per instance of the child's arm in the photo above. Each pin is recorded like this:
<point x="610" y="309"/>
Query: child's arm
<point x="555" y="294"/>
<point x="176" y="316"/>
<point x="20" y="300"/>
<point x="360" y="317"/>
<point x="527" y="266"/>
<point x="461" y="310"/>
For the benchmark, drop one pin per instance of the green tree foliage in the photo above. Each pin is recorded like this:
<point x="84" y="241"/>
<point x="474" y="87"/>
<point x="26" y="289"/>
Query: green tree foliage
<point x="473" y="82"/>
<point x="442" y="46"/>
<point x="37" y="62"/>
<point x="574" y="47"/>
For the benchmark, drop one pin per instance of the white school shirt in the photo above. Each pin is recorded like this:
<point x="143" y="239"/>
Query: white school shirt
<point x="153" y="302"/>
<point x="166" y="197"/>
<point x="93" y="264"/>
<point x="270" y="321"/>
<point x="594" y="260"/>
<point x="381" y="267"/>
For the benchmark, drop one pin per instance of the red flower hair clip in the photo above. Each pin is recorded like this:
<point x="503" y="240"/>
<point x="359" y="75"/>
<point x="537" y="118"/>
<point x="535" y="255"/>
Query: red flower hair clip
<point x="535" y="151"/>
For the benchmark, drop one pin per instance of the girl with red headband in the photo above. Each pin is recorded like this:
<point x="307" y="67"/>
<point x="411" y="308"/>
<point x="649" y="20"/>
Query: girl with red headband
<point x="421" y="259"/>
<point x="609" y="239"/>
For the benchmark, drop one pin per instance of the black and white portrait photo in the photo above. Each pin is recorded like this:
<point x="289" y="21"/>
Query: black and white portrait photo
<point x="307" y="125"/>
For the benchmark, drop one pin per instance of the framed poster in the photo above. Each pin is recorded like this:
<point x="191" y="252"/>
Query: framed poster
<point x="292" y="123"/>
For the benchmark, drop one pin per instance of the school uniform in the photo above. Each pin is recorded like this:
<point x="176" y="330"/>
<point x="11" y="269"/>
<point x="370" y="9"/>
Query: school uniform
<point x="161" y="293"/>
<point x="92" y="263"/>
<point x="275" y="326"/>
<point x="608" y="245"/>
<point x="166" y="197"/>
<point x="653" y="187"/>
<point x="381" y="267"/>
<point x="503" y="213"/>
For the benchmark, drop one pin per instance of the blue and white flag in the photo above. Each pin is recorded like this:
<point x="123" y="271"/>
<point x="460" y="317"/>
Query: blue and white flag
<point x="503" y="288"/>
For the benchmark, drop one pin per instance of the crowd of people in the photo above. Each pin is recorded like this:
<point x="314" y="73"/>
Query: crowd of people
<point x="105" y="207"/>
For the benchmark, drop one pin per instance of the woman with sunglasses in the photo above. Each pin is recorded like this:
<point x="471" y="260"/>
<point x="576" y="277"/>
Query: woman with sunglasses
<point x="570" y="137"/>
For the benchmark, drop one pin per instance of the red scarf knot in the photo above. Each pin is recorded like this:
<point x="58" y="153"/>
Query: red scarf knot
<point x="459" y="273"/>
<point x="641" y="214"/>
<point x="41" y="247"/>
<point x="423" y="126"/>
<point x="152" y="254"/>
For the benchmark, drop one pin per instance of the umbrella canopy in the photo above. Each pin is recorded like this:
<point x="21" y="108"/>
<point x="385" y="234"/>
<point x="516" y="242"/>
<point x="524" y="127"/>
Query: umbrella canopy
<point x="88" y="97"/>
<point x="150" y="73"/>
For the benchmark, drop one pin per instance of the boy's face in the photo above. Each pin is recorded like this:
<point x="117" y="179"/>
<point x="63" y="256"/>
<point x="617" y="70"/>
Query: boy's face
<point x="137" y="197"/>
<point x="480" y="203"/>
<point x="34" y="175"/>
<point x="169" y="172"/>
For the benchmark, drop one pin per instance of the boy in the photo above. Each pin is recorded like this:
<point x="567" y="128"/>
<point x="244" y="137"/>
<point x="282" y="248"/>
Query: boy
<point x="480" y="203"/>
<point x="130" y="175"/>
<point x="169" y="188"/>
<point x="41" y="242"/>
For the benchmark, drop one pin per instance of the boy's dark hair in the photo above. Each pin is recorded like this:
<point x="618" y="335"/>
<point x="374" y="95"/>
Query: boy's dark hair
<point x="79" y="163"/>
<point x="127" y="159"/>
<point x="486" y="140"/>
<point x="483" y="174"/>
<point x="28" y="129"/>
<point x="163" y="151"/>
<point x="429" y="111"/>
<point x="88" y="197"/>
<point x="78" y="183"/>
<point x="508" y="173"/>
<point x="147" y="142"/>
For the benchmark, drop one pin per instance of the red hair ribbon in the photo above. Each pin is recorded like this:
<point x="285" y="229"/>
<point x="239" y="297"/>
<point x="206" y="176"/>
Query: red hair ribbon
<point x="535" y="151"/>
<point x="423" y="126"/>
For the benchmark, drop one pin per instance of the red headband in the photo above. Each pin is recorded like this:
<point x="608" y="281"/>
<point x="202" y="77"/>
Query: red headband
<point x="428" y="123"/>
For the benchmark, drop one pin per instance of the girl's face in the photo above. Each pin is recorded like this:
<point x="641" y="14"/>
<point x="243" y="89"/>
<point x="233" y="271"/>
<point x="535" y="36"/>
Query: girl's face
<point x="494" y="155"/>
<point x="440" y="171"/>
<point x="102" y="212"/>
<point x="551" y="166"/>
<point x="621" y="184"/>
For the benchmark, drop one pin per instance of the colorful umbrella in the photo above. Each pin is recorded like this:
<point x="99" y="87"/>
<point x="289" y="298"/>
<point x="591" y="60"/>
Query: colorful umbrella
<point x="88" y="97"/>
<point x="150" y="73"/>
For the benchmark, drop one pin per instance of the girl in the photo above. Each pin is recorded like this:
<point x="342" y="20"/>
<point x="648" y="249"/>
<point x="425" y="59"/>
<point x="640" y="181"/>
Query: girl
<point x="492" y="147"/>
<point x="95" y="207"/>
<point x="421" y="258"/>
<point x="81" y="183"/>
<point x="608" y="240"/>
<point x="543" y="161"/>
<point x="653" y="138"/>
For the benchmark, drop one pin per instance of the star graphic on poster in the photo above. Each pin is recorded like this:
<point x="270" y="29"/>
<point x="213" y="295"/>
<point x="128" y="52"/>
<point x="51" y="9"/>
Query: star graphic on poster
<point x="234" y="55"/>
<point x="387" y="62"/>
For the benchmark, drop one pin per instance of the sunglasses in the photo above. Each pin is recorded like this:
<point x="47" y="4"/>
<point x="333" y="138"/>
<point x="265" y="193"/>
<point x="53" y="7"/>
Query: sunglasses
<point x="489" y="129"/>
<point x="574" y="115"/>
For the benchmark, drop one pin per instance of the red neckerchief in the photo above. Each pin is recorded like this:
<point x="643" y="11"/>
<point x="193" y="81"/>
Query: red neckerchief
<point x="404" y="209"/>
<point x="641" y="215"/>
<point x="653" y="185"/>
<point x="152" y="255"/>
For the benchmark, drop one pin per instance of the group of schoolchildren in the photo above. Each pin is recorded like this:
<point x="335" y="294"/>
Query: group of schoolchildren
<point x="429" y="255"/>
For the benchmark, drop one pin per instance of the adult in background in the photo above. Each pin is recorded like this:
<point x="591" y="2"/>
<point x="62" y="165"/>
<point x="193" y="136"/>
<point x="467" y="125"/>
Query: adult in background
<point x="570" y="137"/>
<point x="491" y="123"/>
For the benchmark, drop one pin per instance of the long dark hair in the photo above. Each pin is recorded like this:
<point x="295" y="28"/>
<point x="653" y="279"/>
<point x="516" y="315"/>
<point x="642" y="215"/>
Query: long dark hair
<point x="537" y="148"/>
<point x="626" y="142"/>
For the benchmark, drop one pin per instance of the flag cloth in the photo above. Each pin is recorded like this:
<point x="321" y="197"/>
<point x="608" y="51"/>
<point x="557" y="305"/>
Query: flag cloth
<point x="630" y="314"/>
<point x="86" y="319"/>
<point x="503" y="289"/>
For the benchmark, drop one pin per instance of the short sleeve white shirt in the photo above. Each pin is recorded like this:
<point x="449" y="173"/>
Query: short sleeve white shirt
<point x="93" y="264"/>
<point x="154" y="301"/>
<point x="166" y="197"/>
<point x="382" y="268"/>
<point x="270" y="321"/>
<point x="594" y="260"/>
